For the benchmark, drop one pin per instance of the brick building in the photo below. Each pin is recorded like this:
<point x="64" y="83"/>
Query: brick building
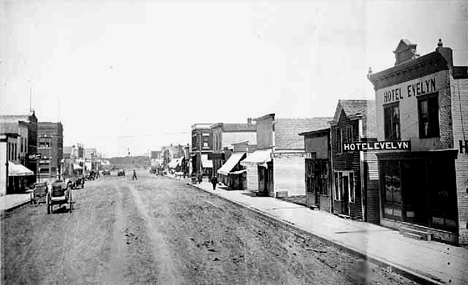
<point x="224" y="136"/>
<point x="424" y="100"/>
<point x="354" y="173"/>
<point x="279" y="158"/>
<point x="50" y="146"/>
<point x="202" y="145"/>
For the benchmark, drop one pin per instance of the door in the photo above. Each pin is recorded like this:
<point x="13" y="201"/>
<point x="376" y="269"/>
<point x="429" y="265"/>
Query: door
<point x="317" y="182"/>
<point x="415" y="194"/>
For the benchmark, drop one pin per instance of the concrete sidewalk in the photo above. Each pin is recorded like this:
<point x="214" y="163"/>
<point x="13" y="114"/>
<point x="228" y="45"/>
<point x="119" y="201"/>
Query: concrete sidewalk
<point x="11" y="201"/>
<point x="423" y="261"/>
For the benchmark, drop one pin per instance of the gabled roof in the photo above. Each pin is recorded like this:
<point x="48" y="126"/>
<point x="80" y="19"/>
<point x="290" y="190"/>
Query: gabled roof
<point x="404" y="44"/>
<point x="364" y="109"/>
<point x="354" y="108"/>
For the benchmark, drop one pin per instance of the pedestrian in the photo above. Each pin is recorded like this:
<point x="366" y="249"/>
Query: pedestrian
<point x="214" y="181"/>
<point x="134" y="177"/>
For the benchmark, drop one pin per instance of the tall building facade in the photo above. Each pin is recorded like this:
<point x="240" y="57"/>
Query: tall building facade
<point x="423" y="100"/>
<point x="202" y="145"/>
<point x="50" y="146"/>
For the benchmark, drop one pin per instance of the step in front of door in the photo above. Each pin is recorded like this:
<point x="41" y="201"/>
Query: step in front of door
<point x="416" y="233"/>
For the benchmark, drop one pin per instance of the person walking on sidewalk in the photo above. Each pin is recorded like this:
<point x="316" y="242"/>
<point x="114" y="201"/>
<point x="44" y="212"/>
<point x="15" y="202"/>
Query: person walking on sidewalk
<point x="134" y="177"/>
<point x="214" y="181"/>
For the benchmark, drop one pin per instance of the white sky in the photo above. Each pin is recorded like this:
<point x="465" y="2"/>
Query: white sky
<point x="138" y="74"/>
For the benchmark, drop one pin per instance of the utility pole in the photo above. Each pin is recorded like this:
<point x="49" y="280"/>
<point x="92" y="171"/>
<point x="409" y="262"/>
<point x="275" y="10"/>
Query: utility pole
<point x="199" y="150"/>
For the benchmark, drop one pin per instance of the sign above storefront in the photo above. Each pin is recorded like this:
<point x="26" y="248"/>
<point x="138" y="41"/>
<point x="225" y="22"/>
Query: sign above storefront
<point x="409" y="90"/>
<point x="373" y="146"/>
<point x="463" y="147"/>
<point x="34" y="156"/>
<point x="216" y="156"/>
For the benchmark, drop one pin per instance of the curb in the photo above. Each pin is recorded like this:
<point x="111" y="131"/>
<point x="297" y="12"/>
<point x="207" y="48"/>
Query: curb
<point x="405" y="272"/>
<point x="17" y="205"/>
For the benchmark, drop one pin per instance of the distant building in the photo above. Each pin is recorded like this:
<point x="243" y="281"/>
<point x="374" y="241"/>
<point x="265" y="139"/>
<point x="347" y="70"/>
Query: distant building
<point x="422" y="103"/>
<point x="251" y="170"/>
<point x="202" y="145"/>
<point x="224" y="136"/>
<point x="25" y="126"/>
<point x="13" y="175"/>
<point x="50" y="146"/>
<point x="280" y="154"/>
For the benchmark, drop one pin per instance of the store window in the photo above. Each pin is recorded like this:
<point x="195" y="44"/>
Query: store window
<point x="352" y="188"/>
<point x="337" y="190"/>
<point x="392" y="121"/>
<point x="428" y="109"/>
<point x="391" y="195"/>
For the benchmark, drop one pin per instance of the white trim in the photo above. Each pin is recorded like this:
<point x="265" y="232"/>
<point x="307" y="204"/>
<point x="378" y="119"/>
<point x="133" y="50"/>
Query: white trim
<point x="340" y="190"/>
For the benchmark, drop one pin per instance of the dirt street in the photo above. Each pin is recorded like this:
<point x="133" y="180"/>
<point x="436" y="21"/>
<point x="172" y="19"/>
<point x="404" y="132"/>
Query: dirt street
<point x="161" y="231"/>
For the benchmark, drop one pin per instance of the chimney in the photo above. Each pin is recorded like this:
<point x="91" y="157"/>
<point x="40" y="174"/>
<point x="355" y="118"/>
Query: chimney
<point x="440" y="44"/>
<point x="249" y="121"/>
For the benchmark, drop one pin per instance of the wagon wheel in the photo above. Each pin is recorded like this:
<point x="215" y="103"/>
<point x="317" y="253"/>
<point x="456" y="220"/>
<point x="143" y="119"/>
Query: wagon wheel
<point x="49" y="206"/>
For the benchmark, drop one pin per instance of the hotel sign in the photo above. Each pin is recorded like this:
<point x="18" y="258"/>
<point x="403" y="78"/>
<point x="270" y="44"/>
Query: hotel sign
<point x="412" y="89"/>
<point x="373" y="146"/>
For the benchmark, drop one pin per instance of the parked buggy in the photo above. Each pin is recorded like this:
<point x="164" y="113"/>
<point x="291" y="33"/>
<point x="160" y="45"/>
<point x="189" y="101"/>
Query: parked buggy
<point x="57" y="195"/>
<point x="39" y="193"/>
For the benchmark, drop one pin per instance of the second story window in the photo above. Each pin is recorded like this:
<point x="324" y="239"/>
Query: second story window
<point x="349" y="134"/>
<point x="392" y="121"/>
<point x="428" y="109"/>
<point x="45" y="142"/>
<point x="339" y="141"/>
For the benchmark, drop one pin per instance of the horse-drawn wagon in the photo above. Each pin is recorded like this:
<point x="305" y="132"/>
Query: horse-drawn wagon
<point x="58" y="195"/>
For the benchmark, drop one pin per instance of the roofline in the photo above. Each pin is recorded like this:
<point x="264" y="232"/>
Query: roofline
<point x="316" y="132"/>
<point x="271" y="115"/>
<point x="438" y="60"/>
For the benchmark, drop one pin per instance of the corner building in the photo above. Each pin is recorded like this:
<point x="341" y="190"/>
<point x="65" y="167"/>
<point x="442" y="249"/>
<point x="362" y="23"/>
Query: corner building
<point x="424" y="100"/>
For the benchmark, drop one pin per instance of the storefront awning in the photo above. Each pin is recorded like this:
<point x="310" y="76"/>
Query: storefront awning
<point x="205" y="162"/>
<point x="231" y="162"/>
<point x="258" y="157"/>
<point x="175" y="162"/>
<point x="18" y="170"/>
<point x="77" y="166"/>
<point x="238" y="172"/>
